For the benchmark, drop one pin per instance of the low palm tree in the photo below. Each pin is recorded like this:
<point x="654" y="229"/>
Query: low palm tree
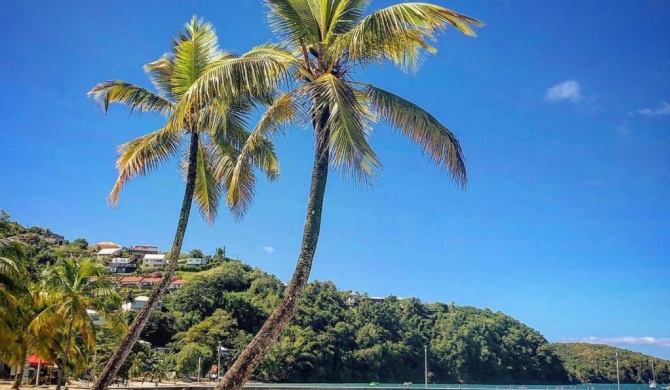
<point x="18" y="308"/>
<point x="212" y="132"/>
<point x="67" y="290"/>
<point x="157" y="366"/>
<point x="11" y="272"/>
<point x="323" y="42"/>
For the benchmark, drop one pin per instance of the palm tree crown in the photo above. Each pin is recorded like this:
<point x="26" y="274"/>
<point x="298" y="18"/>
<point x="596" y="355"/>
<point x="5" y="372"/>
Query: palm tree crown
<point x="323" y="43"/>
<point x="220" y="124"/>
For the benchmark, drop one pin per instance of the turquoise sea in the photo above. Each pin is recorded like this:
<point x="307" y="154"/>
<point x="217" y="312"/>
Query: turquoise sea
<point x="382" y="386"/>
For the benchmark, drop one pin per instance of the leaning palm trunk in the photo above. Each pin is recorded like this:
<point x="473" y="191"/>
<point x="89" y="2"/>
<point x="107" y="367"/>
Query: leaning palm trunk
<point x="19" y="378"/>
<point x="123" y="350"/>
<point x="254" y="353"/>
<point x="61" y="372"/>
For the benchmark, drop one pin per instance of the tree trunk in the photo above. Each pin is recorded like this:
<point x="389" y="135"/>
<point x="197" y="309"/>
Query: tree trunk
<point x="254" y="353"/>
<point x="66" y="354"/>
<point x="19" y="376"/>
<point x="123" y="350"/>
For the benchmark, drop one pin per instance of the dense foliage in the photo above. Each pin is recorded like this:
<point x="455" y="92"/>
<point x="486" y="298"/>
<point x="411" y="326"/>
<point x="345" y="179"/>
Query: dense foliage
<point x="336" y="336"/>
<point x="590" y="363"/>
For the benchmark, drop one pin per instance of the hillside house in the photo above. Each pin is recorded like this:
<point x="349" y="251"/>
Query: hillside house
<point x="196" y="262"/>
<point x="129" y="282"/>
<point x="122" y="265"/>
<point x="137" y="304"/>
<point x="175" y="285"/>
<point x="153" y="261"/>
<point x="108" y="252"/>
<point x="145" y="249"/>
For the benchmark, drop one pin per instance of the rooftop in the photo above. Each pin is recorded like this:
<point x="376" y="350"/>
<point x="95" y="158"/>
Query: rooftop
<point x="108" y="251"/>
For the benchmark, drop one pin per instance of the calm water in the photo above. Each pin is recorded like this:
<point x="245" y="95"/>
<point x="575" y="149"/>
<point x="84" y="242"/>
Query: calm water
<point x="605" y="386"/>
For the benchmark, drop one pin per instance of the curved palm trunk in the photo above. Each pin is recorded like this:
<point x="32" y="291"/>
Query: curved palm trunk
<point x="254" y="353"/>
<point x="123" y="350"/>
<point x="19" y="377"/>
<point x="66" y="354"/>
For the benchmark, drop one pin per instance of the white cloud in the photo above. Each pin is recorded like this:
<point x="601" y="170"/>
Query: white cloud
<point x="268" y="249"/>
<point x="569" y="90"/>
<point x="663" y="110"/>
<point x="626" y="340"/>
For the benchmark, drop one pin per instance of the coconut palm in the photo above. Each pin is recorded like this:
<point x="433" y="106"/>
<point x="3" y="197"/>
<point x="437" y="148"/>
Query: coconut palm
<point x="213" y="132"/>
<point x="157" y="367"/>
<point x="17" y="308"/>
<point x="323" y="42"/>
<point x="137" y="366"/>
<point x="67" y="290"/>
<point x="11" y="271"/>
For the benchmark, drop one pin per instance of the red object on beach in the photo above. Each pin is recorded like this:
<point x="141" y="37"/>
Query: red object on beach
<point x="34" y="360"/>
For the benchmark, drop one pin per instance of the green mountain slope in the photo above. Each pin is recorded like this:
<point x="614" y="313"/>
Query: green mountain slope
<point x="341" y="336"/>
<point x="593" y="363"/>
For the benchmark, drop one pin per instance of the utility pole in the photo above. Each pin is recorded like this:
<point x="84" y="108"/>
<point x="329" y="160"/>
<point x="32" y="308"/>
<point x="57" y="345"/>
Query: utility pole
<point x="218" y="364"/>
<point x="199" y="370"/>
<point x="425" y="366"/>
<point x="618" y="385"/>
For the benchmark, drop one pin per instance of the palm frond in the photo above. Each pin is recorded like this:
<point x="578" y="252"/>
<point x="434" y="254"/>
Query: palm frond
<point x="337" y="17"/>
<point x="11" y="253"/>
<point x="136" y="98"/>
<point x="280" y="53"/>
<point x="440" y="144"/>
<point x="194" y="50"/>
<point x="208" y="189"/>
<point x="229" y="78"/>
<point x="293" y="21"/>
<point x="160" y="72"/>
<point x="142" y="155"/>
<point x="347" y="126"/>
<point x="401" y="33"/>
<point x="283" y="111"/>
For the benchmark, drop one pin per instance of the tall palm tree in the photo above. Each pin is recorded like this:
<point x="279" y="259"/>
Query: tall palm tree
<point x="323" y="42"/>
<point x="213" y="132"/>
<point x="67" y="290"/>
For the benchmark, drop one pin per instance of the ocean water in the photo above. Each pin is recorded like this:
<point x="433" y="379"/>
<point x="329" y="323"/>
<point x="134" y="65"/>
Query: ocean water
<point x="434" y="386"/>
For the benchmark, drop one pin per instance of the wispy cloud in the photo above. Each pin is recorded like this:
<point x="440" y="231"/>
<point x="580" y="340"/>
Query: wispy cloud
<point x="663" y="110"/>
<point x="268" y="249"/>
<point x="626" y="340"/>
<point x="569" y="91"/>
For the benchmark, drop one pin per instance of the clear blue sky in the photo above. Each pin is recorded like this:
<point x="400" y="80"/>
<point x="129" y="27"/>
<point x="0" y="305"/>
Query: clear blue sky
<point x="561" y="107"/>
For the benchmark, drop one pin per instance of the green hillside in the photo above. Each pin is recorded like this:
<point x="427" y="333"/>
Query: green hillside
<point x="337" y="336"/>
<point x="593" y="363"/>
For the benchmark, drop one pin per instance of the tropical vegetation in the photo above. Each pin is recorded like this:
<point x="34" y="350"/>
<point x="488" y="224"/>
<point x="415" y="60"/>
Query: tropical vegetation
<point x="336" y="336"/>
<point x="213" y="132"/>
<point x="589" y="363"/>
<point x="67" y="291"/>
<point x="44" y="307"/>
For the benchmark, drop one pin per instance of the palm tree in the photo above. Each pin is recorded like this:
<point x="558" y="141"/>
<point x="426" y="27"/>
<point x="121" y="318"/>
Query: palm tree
<point x="214" y="132"/>
<point x="157" y="367"/>
<point x="17" y="308"/>
<point x="324" y="41"/>
<point x="67" y="290"/>
<point x="137" y="367"/>
<point x="11" y="271"/>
